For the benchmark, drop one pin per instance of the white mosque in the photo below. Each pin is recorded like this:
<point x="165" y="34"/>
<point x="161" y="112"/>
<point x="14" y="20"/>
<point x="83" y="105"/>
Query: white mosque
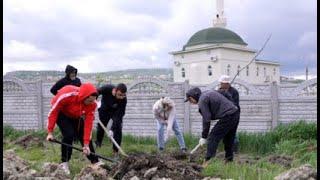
<point x="215" y="51"/>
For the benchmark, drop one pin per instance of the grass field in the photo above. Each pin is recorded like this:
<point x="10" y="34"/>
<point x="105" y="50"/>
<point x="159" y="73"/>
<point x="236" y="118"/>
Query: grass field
<point x="298" y="140"/>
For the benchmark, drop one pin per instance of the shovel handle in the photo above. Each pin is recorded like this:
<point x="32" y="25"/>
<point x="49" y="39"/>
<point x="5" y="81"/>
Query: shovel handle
<point x="78" y="149"/>
<point x="194" y="149"/>
<point x="113" y="141"/>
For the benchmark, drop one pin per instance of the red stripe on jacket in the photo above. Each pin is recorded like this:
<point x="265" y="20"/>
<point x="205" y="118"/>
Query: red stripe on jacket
<point x="69" y="101"/>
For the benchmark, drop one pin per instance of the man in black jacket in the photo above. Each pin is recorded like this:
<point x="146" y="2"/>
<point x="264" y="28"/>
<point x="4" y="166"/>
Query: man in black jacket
<point x="113" y="106"/>
<point x="212" y="106"/>
<point x="69" y="79"/>
<point x="233" y="95"/>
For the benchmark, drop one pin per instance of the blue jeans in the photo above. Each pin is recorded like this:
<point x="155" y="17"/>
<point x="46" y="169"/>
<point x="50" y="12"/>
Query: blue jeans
<point x="160" y="134"/>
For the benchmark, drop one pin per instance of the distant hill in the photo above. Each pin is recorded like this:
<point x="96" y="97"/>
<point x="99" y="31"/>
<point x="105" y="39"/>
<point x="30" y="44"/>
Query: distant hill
<point x="165" y="73"/>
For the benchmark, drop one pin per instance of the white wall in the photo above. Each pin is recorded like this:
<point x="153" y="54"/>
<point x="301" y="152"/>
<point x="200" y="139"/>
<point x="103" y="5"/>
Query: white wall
<point x="196" y="66"/>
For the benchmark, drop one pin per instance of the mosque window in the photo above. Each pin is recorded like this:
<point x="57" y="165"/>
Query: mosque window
<point x="274" y="71"/>
<point x="247" y="70"/>
<point x="228" y="69"/>
<point x="238" y="70"/>
<point x="209" y="70"/>
<point x="257" y="71"/>
<point x="183" y="72"/>
<point x="264" y="72"/>
<point x="182" y="56"/>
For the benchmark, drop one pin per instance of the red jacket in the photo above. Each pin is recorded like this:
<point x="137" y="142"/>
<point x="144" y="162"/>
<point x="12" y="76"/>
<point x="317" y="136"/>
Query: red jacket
<point x="69" y="101"/>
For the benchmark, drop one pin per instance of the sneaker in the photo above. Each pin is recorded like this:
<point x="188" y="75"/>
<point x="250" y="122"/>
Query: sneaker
<point x="116" y="155"/>
<point x="184" y="150"/>
<point x="65" y="167"/>
<point x="205" y="163"/>
<point x="161" y="150"/>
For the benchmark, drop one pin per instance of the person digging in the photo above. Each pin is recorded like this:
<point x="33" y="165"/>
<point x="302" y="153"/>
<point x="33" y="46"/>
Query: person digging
<point x="72" y="109"/>
<point x="164" y="112"/>
<point x="212" y="106"/>
<point x="113" y="106"/>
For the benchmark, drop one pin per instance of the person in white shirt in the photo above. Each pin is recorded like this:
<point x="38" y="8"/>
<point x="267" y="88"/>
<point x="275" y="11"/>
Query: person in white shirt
<point x="164" y="112"/>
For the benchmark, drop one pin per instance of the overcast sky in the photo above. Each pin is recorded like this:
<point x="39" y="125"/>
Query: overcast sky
<point x="107" y="35"/>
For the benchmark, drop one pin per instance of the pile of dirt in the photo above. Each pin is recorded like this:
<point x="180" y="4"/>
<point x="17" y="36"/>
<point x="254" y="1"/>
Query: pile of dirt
<point x="52" y="170"/>
<point x="146" y="166"/>
<point x="88" y="173"/>
<point x="304" y="172"/>
<point x="285" y="161"/>
<point x="16" y="168"/>
<point x="29" y="141"/>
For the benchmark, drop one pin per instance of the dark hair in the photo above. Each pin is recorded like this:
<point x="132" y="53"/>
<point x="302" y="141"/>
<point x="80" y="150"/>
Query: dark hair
<point x="122" y="87"/>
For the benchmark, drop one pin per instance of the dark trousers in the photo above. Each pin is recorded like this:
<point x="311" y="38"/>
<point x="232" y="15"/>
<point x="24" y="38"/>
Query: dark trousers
<point x="236" y="139"/>
<point x="116" y="128"/>
<point x="224" y="129"/>
<point x="71" y="130"/>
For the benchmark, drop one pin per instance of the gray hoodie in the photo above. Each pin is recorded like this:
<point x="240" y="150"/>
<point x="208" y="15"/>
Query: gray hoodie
<point x="212" y="106"/>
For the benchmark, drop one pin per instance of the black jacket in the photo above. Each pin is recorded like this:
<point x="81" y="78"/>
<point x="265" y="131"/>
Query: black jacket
<point x="109" y="103"/>
<point x="232" y="94"/>
<point x="213" y="105"/>
<point x="66" y="80"/>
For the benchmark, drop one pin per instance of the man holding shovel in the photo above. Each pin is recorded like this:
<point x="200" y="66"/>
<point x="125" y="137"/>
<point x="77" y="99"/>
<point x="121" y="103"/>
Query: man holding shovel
<point x="164" y="112"/>
<point x="212" y="106"/>
<point x="113" y="106"/>
<point x="73" y="111"/>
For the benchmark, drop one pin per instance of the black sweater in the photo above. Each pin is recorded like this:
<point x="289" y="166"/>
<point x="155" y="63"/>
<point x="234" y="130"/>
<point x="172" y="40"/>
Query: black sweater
<point x="66" y="80"/>
<point x="109" y="103"/>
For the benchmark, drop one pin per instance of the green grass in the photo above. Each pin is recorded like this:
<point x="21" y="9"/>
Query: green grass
<point x="298" y="140"/>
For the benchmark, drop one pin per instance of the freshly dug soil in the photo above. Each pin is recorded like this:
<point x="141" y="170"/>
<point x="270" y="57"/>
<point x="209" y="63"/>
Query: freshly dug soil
<point x="285" y="161"/>
<point x="146" y="166"/>
<point x="29" y="141"/>
<point x="16" y="168"/>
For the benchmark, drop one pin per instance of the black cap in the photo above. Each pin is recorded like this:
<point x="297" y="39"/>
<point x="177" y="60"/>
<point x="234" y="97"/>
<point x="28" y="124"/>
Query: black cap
<point x="194" y="93"/>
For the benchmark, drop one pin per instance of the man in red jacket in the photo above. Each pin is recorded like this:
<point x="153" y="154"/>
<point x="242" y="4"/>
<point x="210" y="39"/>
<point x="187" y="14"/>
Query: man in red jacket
<point x="73" y="111"/>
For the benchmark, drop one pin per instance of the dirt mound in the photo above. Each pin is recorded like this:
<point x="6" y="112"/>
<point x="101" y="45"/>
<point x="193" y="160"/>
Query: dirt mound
<point x="29" y="141"/>
<point x="146" y="166"/>
<point x="304" y="172"/>
<point x="16" y="168"/>
<point x="285" y="161"/>
<point x="88" y="173"/>
<point x="53" y="170"/>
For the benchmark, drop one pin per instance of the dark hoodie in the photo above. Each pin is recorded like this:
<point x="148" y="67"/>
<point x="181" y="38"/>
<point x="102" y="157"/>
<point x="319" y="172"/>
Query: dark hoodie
<point x="66" y="80"/>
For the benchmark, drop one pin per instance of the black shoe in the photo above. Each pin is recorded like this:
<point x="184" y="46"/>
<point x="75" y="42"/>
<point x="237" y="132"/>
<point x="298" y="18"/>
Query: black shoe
<point x="98" y="144"/>
<point x="184" y="150"/>
<point x="161" y="150"/>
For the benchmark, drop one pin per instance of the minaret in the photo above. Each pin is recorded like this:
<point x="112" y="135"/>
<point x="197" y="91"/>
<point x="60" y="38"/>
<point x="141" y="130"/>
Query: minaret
<point x="307" y="73"/>
<point x="220" y="20"/>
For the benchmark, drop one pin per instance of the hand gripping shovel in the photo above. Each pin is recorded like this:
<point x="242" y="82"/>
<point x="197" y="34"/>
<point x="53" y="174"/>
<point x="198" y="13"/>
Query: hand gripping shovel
<point x="113" y="141"/>
<point x="79" y="149"/>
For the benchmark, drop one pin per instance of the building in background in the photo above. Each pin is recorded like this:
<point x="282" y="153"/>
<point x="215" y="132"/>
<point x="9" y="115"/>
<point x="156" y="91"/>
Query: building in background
<point x="215" y="51"/>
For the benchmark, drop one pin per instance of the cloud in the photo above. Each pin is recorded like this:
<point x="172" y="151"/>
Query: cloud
<point x="20" y="51"/>
<point x="95" y="34"/>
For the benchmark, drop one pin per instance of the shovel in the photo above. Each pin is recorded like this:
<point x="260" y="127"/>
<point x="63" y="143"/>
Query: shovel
<point x="193" y="150"/>
<point x="114" y="142"/>
<point x="78" y="149"/>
